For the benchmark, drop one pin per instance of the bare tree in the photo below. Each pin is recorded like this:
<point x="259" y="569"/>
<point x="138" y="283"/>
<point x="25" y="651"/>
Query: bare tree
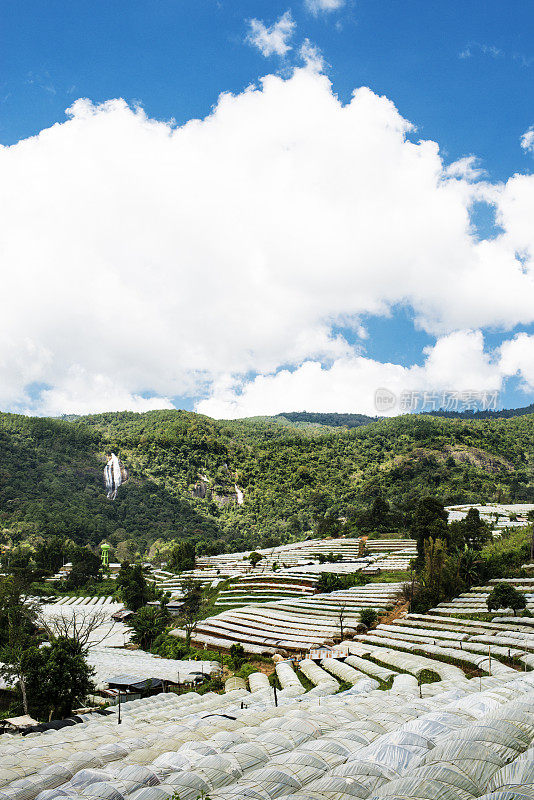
<point x="86" y="626"/>
<point x="342" y="615"/>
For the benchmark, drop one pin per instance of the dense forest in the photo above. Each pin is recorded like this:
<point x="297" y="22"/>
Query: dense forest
<point x="332" y="420"/>
<point x="502" y="413"/>
<point x="297" y="475"/>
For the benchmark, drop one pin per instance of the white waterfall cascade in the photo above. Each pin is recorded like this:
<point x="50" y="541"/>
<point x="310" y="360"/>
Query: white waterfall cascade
<point x="114" y="475"/>
<point x="239" y="494"/>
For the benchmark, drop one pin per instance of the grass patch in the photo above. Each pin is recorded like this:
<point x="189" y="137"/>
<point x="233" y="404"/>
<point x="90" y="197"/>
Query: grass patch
<point x="306" y="682"/>
<point x="394" y="576"/>
<point x="385" y="685"/>
<point x="103" y="588"/>
<point x="428" y="676"/>
<point x="274" y="681"/>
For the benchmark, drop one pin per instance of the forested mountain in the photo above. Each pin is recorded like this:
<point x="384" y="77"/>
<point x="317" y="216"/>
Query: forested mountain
<point x="330" y="419"/>
<point x="296" y="476"/>
<point x="502" y="413"/>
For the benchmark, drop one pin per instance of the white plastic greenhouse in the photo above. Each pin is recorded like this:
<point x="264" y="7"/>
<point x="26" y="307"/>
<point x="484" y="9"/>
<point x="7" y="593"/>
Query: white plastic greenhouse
<point x="341" y="670"/>
<point x="258" y="682"/>
<point x="465" y="740"/>
<point x="317" y="675"/>
<point x="288" y="678"/>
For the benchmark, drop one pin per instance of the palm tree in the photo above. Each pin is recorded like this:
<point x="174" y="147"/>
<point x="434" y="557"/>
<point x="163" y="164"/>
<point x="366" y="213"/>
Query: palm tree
<point x="469" y="563"/>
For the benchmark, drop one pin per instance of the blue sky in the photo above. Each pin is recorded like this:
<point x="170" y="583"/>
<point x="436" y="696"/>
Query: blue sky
<point x="461" y="73"/>
<point x="175" y="58"/>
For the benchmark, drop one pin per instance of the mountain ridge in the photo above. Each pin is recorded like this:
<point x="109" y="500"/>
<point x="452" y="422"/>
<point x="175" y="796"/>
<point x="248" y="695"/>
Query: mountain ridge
<point x="297" y="476"/>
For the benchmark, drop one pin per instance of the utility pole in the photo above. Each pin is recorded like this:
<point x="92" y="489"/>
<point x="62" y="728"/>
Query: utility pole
<point x="119" y="720"/>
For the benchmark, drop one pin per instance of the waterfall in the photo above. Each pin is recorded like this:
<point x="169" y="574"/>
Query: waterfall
<point x="114" y="475"/>
<point x="239" y="494"/>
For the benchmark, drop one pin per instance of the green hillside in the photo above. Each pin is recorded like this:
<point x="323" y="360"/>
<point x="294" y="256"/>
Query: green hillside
<point x="297" y="475"/>
<point x="328" y="419"/>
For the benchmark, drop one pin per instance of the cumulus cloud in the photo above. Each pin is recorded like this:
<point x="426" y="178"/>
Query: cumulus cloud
<point x="517" y="358"/>
<point x="316" y="6"/>
<point x="144" y="261"/>
<point x="273" y="40"/>
<point x="456" y="363"/>
<point x="527" y="139"/>
<point x="514" y="203"/>
<point x="81" y="393"/>
<point x="466" y="167"/>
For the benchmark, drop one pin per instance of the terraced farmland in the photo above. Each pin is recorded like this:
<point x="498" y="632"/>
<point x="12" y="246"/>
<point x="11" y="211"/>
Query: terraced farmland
<point x="291" y="570"/>
<point x="293" y="624"/>
<point x="500" y="646"/>
<point x="474" y="601"/>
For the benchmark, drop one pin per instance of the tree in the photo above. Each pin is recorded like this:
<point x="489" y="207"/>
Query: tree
<point x="341" y="615"/>
<point x="469" y="566"/>
<point x="368" y="617"/>
<point x="333" y="582"/>
<point x="379" y="514"/>
<point x="429" y="522"/>
<point x="49" y="554"/>
<point x="328" y="525"/>
<point x="85" y="567"/>
<point x="86" y="626"/>
<point x="190" y="610"/>
<point x="432" y="574"/>
<point x="17" y="632"/>
<point x="182" y="556"/>
<point x="504" y="595"/>
<point x="330" y="557"/>
<point x="530" y="517"/>
<point x="329" y="582"/>
<point x="57" y="677"/>
<point x="255" y="558"/>
<point x="132" y="586"/>
<point x="125" y="550"/>
<point x="18" y="563"/>
<point x="470" y="532"/>
<point x="147" y="624"/>
<point x="238" y="656"/>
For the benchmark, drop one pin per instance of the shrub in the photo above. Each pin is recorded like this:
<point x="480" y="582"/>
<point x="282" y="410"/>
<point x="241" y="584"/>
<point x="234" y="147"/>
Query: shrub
<point x="368" y="617"/>
<point x="237" y="656"/>
<point x="504" y="595"/>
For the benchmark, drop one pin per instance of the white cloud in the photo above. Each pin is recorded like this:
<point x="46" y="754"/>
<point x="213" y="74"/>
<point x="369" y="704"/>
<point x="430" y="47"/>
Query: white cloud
<point x="485" y="49"/>
<point x="527" y="140"/>
<point x="514" y="203"/>
<point x="273" y="40"/>
<point x="517" y="358"/>
<point x="311" y="56"/>
<point x="316" y="6"/>
<point x="80" y="393"/>
<point x="143" y="260"/>
<point x="456" y="363"/>
<point x="466" y="167"/>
